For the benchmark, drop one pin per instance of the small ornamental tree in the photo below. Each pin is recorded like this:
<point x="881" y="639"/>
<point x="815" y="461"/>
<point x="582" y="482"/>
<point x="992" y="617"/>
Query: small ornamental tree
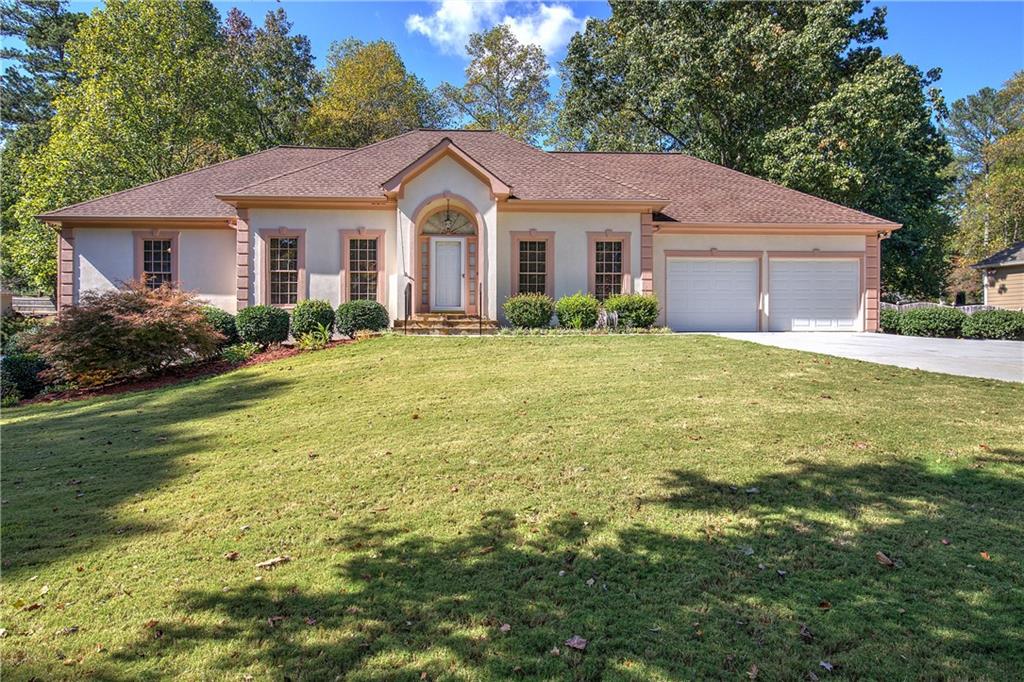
<point x="127" y="333"/>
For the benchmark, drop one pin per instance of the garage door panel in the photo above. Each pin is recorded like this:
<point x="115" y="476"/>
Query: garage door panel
<point x="712" y="294"/>
<point x="814" y="295"/>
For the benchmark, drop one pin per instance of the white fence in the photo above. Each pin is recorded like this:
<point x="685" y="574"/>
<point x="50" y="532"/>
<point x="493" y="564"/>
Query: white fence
<point x="900" y="307"/>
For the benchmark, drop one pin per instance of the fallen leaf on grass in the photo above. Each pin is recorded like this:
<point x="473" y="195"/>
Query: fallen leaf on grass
<point x="150" y="624"/>
<point x="231" y="556"/>
<point x="505" y="627"/>
<point x="805" y="633"/>
<point x="274" y="620"/>
<point x="945" y="541"/>
<point x="826" y="665"/>
<point x="825" y="604"/>
<point x="985" y="556"/>
<point x="576" y="642"/>
<point x="276" y="561"/>
<point x="860" y="445"/>
<point x="32" y="607"/>
<point x="487" y="550"/>
<point x="884" y="560"/>
<point x="311" y="621"/>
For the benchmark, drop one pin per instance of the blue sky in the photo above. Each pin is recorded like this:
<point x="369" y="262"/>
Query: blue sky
<point x="976" y="44"/>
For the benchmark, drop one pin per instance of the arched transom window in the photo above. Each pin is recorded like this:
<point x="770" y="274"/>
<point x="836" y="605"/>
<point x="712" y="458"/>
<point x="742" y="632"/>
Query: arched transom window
<point x="449" y="221"/>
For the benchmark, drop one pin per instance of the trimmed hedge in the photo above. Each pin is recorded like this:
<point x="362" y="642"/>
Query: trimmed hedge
<point x="578" y="311"/>
<point x="223" y="322"/>
<point x="634" y="310"/>
<point x="308" y="315"/>
<point x="529" y="311"/>
<point x="995" y="324"/>
<point x="356" y="316"/>
<point x="889" y="320"/>
<point x="941" y="322"/>
<point x="262" y="324"/>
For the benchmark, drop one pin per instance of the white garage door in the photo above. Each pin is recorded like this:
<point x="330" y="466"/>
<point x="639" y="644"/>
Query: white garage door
<point x="711" y="294"/>
<point x="814" y="295"/>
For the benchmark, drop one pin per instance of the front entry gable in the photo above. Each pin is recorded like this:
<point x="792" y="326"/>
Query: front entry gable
<point x="394" y="187"/>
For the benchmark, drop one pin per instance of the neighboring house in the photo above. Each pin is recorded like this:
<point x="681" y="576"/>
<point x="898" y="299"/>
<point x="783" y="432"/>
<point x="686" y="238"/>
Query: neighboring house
<point x="1003" y="278"/>
<point x="468" y="218"/>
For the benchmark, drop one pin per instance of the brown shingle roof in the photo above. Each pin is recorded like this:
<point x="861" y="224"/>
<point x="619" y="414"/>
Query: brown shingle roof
<point x="691" y="190"/>
<point x="702" y="192"/>
<point x="531" y="173"/>
<point x="191" y="195"/>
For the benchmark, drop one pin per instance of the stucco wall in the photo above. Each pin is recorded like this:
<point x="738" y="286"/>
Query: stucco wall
<point x="105" y="257"/>
<point x="701" y="242"/>
<point x="323" y="246"/>
<point x="571" y="247"/>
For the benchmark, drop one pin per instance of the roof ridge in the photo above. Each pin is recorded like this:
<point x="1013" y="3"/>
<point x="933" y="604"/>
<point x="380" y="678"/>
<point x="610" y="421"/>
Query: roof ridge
<point x="318" y="163"/>
<point x="577" y="166"/>
<point x="745" y="175"/>
<point x="155" y="182"/>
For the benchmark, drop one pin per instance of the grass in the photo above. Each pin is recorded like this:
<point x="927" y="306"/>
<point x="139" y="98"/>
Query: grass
<point x="692" y="506"/>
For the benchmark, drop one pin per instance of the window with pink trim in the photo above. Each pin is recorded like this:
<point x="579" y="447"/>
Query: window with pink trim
<point x="362" y="268"/>
<point x="533" y="262"/>
<point x="156" y="258"/>
<point x="609" y="267"/>
<point x="283" y="270"/>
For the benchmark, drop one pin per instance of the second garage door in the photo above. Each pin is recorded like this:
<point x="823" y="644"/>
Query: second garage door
<point x="712" y="294"/>
<point x="814" y="295"/>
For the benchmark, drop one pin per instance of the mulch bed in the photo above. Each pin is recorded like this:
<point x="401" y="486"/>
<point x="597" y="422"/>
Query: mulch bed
<point x="175" y="375"/>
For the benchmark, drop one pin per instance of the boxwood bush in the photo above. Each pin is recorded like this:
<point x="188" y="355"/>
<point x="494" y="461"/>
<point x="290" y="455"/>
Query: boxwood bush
<point x="356" y="316"/>
<point x="995" y="324"/>
<point x="578" y="311"/>
<point x="262" y="324"/>
<point x="223" y="322"/>
<point x="19" y="376"/>
<point x="941" y="321"/>
<point x="529" y="311"/>
<point x="634" y="310"/>
<point x="308" y="315"/>
<point x="889" y="320"/>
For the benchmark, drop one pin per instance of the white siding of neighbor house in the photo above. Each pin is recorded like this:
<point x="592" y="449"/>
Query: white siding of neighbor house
<point x="322" y="244"/>
<point x="447" y="175"/>
<point x="763" y="243"/>
<point x="104" y="258"/>
<point x="571" y="246"/>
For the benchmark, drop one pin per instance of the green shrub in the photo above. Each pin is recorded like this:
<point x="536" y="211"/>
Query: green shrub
<point x="308" y="316"/>
<point x="126" y="333"/>
<point x="223" y="322"/>
<point x="317" y="339"/>
<point x="15" y="324"/>
<point x="889" y="320"/>
<point x="19" y="375"/>
<point x="262" y="325"/>
<point x="529" y="311"/>
<point x="356" y="316"/>
<point x="578" y="311"/>
<point x="995" y="324"/>
<point x="240" y="352"/>
<point x="634" y="310"/>
<point x="942" y="321"/>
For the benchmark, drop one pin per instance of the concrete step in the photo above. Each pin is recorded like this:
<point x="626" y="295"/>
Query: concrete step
<point x="445" y="324"/>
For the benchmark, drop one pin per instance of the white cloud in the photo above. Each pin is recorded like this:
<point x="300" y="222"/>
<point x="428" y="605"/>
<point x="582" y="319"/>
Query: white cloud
<point x="451" y="23"/>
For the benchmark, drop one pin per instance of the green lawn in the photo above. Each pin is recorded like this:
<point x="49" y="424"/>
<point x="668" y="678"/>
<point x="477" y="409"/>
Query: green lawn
<point x="692" y="506"/>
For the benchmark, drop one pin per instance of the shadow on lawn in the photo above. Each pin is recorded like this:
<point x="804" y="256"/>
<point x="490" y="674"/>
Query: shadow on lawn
<point x="782" y="577"/>
<point x="65" y="468"/>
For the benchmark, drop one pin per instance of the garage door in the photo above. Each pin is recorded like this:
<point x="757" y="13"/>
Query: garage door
<point x="711" y="294"/>
<point x="814" y="295"/>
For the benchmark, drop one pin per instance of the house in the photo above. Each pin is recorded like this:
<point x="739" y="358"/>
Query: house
<point x="458" y="220"/>
<point x="1003" y="278"/>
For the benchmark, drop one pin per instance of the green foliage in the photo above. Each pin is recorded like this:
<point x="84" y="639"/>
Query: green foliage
<point x="995" y="324"/>
<point x="126" y="333"/>
<point x="355" y="316"/>
<point x="529" y="311"/>
<point x="277" y="75"/>
<point x="634" y="310"/>
<point x="578" y="311"/>
<point x="11" y="327"/>
<point x="942" y="321"/>
<point x="318" y="339"/>
<point x="890" y="319"/>
<point x="239" y="352"/>
<point x="309" y="315"/>
<point x="19" y="374"/>
<point x="790" y="92"/>
<point x="369" y="96"/>
<point x="223" y="322"/>
<point x="262" y="325"/>
<point x="506" y="86"/>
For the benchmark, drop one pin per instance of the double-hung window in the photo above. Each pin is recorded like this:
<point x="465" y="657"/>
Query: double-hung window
<point x="609" y="266"/>
<point x="156" y="262"/>
<point x="362" y="267"/>
<point x="533" y="262"/>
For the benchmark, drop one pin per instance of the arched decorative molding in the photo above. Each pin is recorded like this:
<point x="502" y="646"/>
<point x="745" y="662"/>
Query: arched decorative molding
<point x="475" y="249"/>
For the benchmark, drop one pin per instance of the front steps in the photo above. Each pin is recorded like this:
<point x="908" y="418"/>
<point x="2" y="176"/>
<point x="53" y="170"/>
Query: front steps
<point x="445" y="324"/>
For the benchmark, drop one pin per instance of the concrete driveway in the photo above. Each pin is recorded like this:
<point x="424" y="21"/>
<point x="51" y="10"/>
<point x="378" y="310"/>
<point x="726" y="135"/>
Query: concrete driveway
<point x="1002" y="360"/>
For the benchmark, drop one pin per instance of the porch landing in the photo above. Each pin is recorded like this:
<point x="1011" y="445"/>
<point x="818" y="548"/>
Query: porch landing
<point x="445" y="324"/>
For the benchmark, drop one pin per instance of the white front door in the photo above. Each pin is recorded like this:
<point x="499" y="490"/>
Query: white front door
<point x="711" y="294"/>
<point x="446" y="273"/>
